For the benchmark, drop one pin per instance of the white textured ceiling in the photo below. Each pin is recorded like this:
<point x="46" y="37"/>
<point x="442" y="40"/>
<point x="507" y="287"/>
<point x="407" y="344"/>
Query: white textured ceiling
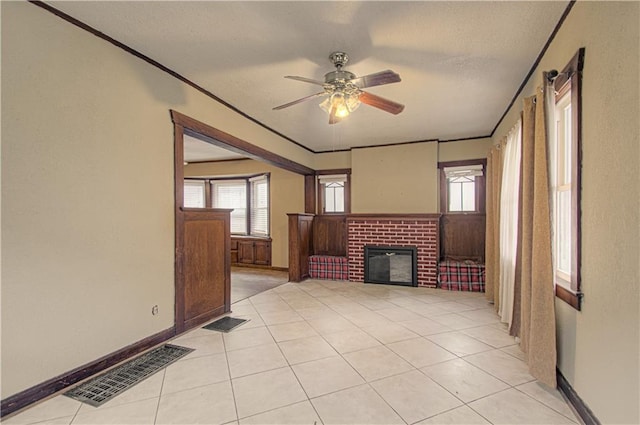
<point x="461" y="63"/>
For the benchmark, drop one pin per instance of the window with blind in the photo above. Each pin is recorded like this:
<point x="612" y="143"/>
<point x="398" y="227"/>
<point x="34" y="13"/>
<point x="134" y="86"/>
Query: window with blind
<point x="194" y="191"/>
<point x="259" y="206"/>
<point x="333" y="193"/>
<point x="463" y="188"/>
<point x="564" y="117"/>
<point x="247" y="196"/>
<point x="232" y="194"/>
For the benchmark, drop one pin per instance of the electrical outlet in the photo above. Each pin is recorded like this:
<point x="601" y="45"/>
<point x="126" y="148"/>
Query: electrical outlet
<point x="154" y="310"/>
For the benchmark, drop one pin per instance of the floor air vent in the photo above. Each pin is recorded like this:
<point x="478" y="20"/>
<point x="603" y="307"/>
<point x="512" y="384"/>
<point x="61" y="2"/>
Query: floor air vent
<point x="226" y="324"/>
<point x="103" y="388"/>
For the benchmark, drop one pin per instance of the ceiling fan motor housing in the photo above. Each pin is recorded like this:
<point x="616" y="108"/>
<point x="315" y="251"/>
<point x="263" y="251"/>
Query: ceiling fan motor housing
<point x="339" y="59"/>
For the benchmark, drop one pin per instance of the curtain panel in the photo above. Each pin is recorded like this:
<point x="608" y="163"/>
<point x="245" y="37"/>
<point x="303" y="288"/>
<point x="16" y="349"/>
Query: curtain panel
<point x="509" y="202"/>
<point x="492" y="234"/>
<point x="537" y="325"/>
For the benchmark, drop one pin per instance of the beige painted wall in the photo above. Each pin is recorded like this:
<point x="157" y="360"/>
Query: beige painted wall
<point x="287" y="195"/>
<point x="599" y="347"/>
<point x="464" y="149"/>
<point x="332" y="160"/>
<point x="87" y="194"/>
<point x="395" y="179"/>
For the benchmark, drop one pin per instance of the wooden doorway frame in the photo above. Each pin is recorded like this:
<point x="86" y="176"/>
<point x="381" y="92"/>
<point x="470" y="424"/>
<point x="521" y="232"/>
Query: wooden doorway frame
<point x="182" y="125"/>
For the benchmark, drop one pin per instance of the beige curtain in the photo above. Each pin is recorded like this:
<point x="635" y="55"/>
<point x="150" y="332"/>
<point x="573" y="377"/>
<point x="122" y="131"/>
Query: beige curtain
<point x="492" y="237"/>
<point x="537" y="324"/>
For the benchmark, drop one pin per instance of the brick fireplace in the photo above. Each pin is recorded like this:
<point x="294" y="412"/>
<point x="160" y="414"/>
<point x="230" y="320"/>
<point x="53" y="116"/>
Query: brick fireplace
<point x="413" y="230"/>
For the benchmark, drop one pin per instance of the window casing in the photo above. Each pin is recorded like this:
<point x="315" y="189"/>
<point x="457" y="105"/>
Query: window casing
<point x="462" y="186"/>
<point x="247" y="196"/>
<point x="333" y="193"/>
<point x="259" y="205"/>
<point x="565" y="158"/>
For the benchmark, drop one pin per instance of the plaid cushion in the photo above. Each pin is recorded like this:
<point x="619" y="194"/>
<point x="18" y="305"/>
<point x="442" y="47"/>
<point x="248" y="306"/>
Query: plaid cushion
<point x="458" y="276"/>
<point x="328" y="267"/>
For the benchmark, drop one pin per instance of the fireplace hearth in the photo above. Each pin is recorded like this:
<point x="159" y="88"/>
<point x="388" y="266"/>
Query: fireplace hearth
<point x="391" y="265"/>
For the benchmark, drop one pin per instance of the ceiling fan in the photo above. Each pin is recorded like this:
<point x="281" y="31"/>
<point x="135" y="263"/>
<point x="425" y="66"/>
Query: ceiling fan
<point x="344" y="90"/>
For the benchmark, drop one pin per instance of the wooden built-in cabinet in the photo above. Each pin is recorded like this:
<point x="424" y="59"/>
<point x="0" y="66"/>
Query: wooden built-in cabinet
<point x="250" y="251"/>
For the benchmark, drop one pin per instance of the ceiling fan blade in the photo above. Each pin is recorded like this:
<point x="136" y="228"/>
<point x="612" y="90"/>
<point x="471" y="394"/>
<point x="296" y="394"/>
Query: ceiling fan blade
<point x="305" y="80"/>
<point x="295" y="102"/>
<point x="381" y="103"/>
<point x="377" y="79"/>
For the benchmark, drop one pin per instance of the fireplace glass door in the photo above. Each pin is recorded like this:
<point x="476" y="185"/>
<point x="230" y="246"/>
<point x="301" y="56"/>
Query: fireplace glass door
<point x="390" y="265"/>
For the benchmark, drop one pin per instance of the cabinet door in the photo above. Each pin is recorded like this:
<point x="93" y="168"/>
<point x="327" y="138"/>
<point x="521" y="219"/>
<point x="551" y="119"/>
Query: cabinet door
<point x="246" y="254"/>
<point x="262" y="253"/>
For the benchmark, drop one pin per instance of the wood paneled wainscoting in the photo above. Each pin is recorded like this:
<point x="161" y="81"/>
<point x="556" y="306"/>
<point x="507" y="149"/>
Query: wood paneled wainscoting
<point x="300" y="245"/>
<point x="462" y="236"/>
<point x="330" y="235"/>
<point x="203" y="288"/>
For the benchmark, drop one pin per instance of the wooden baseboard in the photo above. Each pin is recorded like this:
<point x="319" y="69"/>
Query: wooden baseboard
<point x="280" y="269"/>
<point x="31" y="395"/>
<point x="258" y="266"/>
<point x="574" y="399"/>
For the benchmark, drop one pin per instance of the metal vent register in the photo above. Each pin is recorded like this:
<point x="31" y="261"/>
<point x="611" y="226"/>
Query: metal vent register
<point x="103" y="388"/>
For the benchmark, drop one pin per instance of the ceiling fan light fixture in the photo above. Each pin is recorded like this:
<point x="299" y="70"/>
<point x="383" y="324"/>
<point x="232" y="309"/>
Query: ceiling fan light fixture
<point x="342" y="104"/>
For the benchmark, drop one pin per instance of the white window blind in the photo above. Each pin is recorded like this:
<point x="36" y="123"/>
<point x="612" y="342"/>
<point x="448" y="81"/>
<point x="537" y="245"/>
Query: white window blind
<point x="194" y="194"/>
<point x="463" y="171"/>
<point x="259" y="206"/>
<point x="232" y="194"/>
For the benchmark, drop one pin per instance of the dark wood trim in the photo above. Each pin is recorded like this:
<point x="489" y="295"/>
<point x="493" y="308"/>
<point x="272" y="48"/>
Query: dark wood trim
<point x="214" y="161"/>
<point x="279" y="269"/>
<point x="394" y="144"/>
<point x="347" y="191"/>
<point x="203" y="318"/>
<point x="575" y="66"/>
<point x="158" y="65"/>
<point x="310" y="194"/>
<point x="373" y="216"/>
<point x="16" y="402"/>
<point x="465" y="139"/>
<point x="333" y="171"/>
<point x="571" y="79"/>
<point x="178" y="167"/>
<point x="587" y="416"/>
<point x="220" y="138"/>
<point x="404" y="143"/>
<point x="535" y="64"/>
<point x="300" y="245"/>
<point x="480" y="187"/>
<point x="347" y="194"/>
<point x="574" y="299"/>
<point x="460" y="163"/>
<point x="260" y="266"/>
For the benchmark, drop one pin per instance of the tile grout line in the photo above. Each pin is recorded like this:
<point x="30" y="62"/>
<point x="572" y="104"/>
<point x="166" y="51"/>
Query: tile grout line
<point x="233" y="393"/>
<point x="293" y="371"/>
<point x="164" y="374"/>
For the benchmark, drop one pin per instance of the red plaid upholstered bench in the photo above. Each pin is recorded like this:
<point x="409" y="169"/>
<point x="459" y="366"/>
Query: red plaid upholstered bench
<point x="328" y="267"/>
<point x="461" y="276"/>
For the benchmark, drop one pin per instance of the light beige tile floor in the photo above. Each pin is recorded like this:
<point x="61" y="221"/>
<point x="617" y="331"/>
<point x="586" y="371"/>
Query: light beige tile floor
<point x="326" y="352"/>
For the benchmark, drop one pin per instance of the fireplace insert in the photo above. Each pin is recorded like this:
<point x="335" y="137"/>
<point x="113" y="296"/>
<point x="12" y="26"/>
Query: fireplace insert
<point x="391" y="265"/>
